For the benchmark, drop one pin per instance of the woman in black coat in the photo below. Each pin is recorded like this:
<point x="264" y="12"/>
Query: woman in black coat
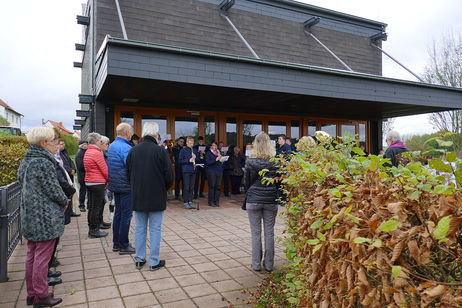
<point x="261" y="201"/>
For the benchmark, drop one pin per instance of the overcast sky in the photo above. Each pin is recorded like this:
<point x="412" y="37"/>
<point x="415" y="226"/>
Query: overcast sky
<point x="37" y="50"/>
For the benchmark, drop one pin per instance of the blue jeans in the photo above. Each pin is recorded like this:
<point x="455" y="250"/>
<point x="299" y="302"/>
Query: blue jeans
<point x="122" y="218"/>
<point x="155" y="232"/>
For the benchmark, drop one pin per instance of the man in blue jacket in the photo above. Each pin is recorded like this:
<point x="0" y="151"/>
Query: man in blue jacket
<point x="120" y="186"/>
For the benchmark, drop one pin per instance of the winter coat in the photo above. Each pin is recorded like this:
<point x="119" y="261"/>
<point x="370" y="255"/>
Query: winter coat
<point x="211" y="163"/>
<point x="68" y="163"/>
<point x="42" y="199"/>
<point x="150" y="174"/>
<point x="256" y="192"/>
<point x="66" y="185"/>
<point x="393" y="150"/>
<point x="116" y="164"/>
<point x="185" y="156"/>
<point x="285" y="150"/>
<point x="80" y="167"/>
<point x="236" y="163"/>
<point x="95" y="165"/>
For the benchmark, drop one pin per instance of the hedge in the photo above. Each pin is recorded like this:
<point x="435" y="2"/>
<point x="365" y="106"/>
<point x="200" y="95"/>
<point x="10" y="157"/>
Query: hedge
<point x="12" y="150"/>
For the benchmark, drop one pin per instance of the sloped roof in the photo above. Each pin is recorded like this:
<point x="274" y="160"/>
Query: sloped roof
<point x="2" y="103"/>
<point x="60" y="126"/>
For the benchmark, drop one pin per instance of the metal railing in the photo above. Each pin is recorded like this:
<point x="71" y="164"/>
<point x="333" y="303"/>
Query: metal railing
<point x="10" y="224"/>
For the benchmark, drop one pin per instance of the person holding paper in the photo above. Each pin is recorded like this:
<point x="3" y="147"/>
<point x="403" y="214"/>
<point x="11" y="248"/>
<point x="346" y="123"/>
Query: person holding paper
<point x="214" y="169"/>
<point x="226" y="177"/>
<point x="201" y="148"/>
<point x="236" y="169"/>
<point x="178" y="170"/>
<point x="188" y="158"/>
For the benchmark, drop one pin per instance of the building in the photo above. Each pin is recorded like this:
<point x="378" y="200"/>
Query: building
<point x="12" y="116"/>
<point x="57" y="125"/>
<point x="229" y="69"/>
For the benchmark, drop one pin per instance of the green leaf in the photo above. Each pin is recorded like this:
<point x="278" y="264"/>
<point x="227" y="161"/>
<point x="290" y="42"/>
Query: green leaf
<point x="390" y="225"/>
<point x="361" y="240"/>
<point x="459" y="176"/>
<point x="442" y="228"/>
<point x="439" y="165"/>
<point x="451" y="157"/>
<point x="313" y="241"/>
<point x="358" y="151"/>
<point x="425" y="187"/>
<point x="439" y="189"/>
<point x="335" y="192"/>
<point x="316" y="248"/>
<point x="377" y="243"/>
<point x="321" y="236"/>
<point x="415" y="195"/>
<point x="317" y="224"/>
<point x="444" y="144"/>
<point x="355" y="220"/>
<point x="395" y="271"/>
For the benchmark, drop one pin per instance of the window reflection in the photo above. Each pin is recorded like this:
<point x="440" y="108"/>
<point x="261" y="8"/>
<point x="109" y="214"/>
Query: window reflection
<point x="186" y="126"/>
<point x="275" y="129"/>
<point x="331" y="129"/>
<point x="311" y="128"/>
<point x="127" y="117"/>
<point x="351" y="129"/>
<point x="231" y="131"/>
<point x="250" y="129"/>
<point x="294" y="131"/>
<point x="209" y="128"/>
<point x="160" y="120"/>
<point x="362" y="132"/>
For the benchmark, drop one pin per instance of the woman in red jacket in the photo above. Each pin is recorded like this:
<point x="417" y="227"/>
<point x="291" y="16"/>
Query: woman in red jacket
<point x="96" y="177"/>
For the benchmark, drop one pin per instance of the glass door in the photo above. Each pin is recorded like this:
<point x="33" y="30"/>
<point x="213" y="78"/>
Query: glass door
<point x="250" y="128"/>
<point x="186" y="126"/>
<point x="161" y="120"/>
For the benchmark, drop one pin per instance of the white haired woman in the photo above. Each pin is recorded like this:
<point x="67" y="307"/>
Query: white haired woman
<point x="43" y="203"/>
<point x="261" y="201"/>
<point x="395" y="147"/>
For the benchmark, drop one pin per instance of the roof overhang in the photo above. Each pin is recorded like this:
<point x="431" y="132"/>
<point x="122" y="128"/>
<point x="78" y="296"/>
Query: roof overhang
<point x="172" y="77"/>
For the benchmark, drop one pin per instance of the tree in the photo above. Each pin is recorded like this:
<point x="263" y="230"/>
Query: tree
<point x="445" y="68"/>
<point x="387" y="125"/>
<point x="4" y="122"/>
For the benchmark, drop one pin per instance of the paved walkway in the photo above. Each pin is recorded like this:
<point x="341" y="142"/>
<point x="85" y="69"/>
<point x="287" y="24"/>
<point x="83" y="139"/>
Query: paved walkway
<point x="207" y="255"/>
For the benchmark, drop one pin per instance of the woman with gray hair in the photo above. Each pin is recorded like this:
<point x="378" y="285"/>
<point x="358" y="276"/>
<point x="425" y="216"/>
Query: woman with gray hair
<point x="43" y="203"/>
<point x="261" y="201"/>
<point x="395" y="147"/>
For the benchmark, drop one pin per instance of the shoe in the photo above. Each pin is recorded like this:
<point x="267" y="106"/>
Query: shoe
<point x="101" y="226"/>
<point x="226" y="195"/>
<point x="55" y="263"/>
<point x="82" y="209"/>
<point x="201" y="196"/>
<point x="158" y="266"/>
<point x="115" y="248"/>
<point x="48" y="301"/>
<point x="186" y="206"/>
<point x="96" y="233"/>
<point x="30" y="299"/>
<point x="52" y="281"/>
<point x="107" y="224"/>
<point x="126" y="251"/>
<point x="54" y="274"/>
<point x="268" y="270"/>
<point x="73" y="214"/>
<point x="140" y="264"/>
<point x="191" y="205"/>
<point x="210" y="204"/>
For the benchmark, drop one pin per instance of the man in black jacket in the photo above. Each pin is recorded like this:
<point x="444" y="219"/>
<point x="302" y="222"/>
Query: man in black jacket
<point x="200" y="169"/>
<point x="150" y="174"/>
<point x="178" y="172"/>
<point x="70" y="168"/>
<point x="83" y="145"/>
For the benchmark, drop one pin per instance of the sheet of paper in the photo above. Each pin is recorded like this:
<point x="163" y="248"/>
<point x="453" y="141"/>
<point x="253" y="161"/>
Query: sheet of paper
<point x="202" y="148"/>
<point x="247" y="153"/>
<point x="273" y="143"/>
<point x="224" y="158"/>
<point x="168" y="137"/>
<point x="224" y="149"/>
<point x="200" y="165"/>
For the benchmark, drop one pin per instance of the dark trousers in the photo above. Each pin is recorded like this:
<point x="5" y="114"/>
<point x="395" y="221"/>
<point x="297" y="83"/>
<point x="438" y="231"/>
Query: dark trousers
<point x="178" y="179"/>
<point x="214" y="180"/>
<point x="82" y="193"/>
<point x="188" y="186"/>
<point x="122" y="217"/>
<point x="53" y="255"/>
<point x="200" y="173"/>
<point x="236" y="184"/>
<point x="95" y="204"/>
<point x="226" y="181"/>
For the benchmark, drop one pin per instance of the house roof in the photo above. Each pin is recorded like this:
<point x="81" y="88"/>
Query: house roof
<point x="2" y="103"/>
<point x="60" y="126"/>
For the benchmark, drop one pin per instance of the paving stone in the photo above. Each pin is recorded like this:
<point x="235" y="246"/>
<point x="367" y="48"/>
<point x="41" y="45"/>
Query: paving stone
<point x="99" y="282"/>
<point x="69" y="287"/>
<point x="199" y="290"/>
<point x="238" y="272"/>
<point x="141" y="300"/>
<point x="134" y="288"/>
<point x="163" y="284"/>
<point x="181" y="270"/>
<point x="211" y="301"/>
<point x="129" y="277"/>
<point x="171" y="295"/>
<point x="95" y="264"/>
<point x="205" y="267"/>
<point x="98" y="272"/>
<point x="149" y="275"/>
<point x="189" y="280"/>
<point x="73" y="276"/>
<point x="111" y="303"/>
<point x="214" y="276"/>
<point x="236" y="297"/>
<point x="78" y="297"/>
<point x="226" y="285"/>
<point x="187" y="303"/>
<point x="103" y="293"/>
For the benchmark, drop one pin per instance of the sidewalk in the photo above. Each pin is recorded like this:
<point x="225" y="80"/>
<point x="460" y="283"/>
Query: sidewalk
<point x="207" y="255"/>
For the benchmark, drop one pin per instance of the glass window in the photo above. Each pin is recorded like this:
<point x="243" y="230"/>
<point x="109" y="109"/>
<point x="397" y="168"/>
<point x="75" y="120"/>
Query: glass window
<point x="209" y="128"/>
<point x="161" y="120"/>
<point x="127" y="117"/>
<point x="311" y="128"/>
<point x="331" y="129"/>
<point x="250" y="129"/>
<point x="362" y="132"/>
<point x="186" y="126"/>
<point x="350" y="128"/>
<point x="294" y="131"/>
<point x="231" y="131"/>
<point x="275" y="129"/>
